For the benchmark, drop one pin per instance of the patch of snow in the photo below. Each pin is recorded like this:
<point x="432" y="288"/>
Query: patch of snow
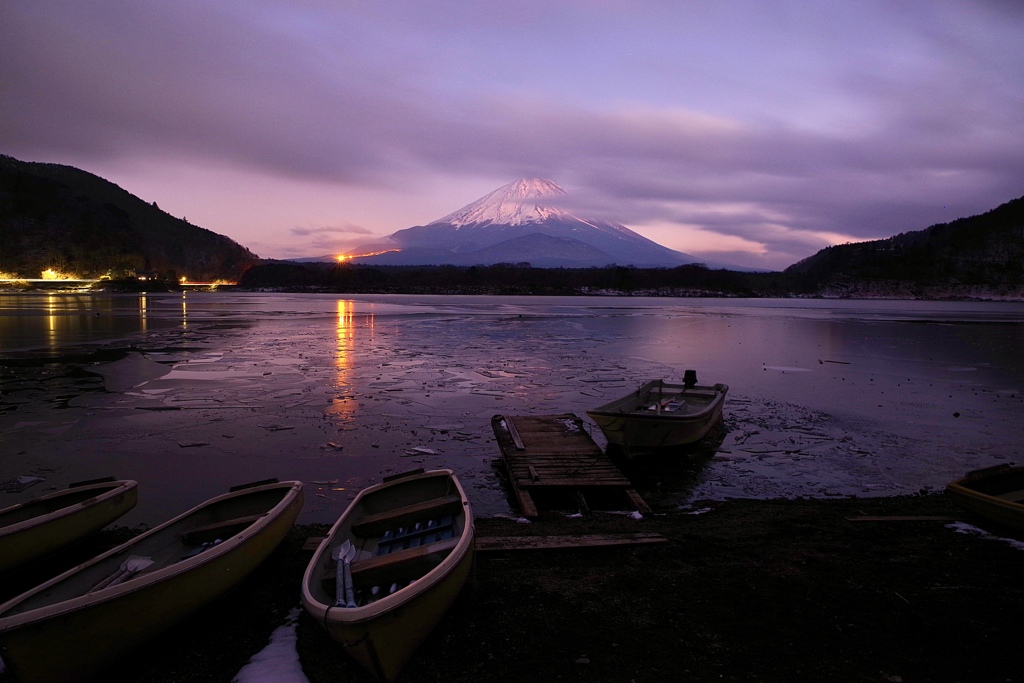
<point x="964" y="528"/>
<point x="513" y="204"/>
<point x="279" y="661"/>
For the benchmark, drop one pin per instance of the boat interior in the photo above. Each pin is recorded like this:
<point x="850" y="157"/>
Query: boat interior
<point x="673" y="398"/>
<point x="390" y="549"/>
<point x="1002" y="481"/>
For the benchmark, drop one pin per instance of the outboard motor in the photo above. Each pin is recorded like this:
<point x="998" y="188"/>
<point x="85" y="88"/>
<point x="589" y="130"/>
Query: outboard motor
<point x="689" y="378"/>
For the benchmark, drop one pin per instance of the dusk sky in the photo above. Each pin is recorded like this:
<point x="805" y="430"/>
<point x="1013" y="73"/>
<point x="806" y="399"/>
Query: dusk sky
<point x="746" y="132"/>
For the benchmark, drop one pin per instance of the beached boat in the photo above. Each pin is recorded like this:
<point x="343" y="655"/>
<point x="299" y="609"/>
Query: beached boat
<point x="77" y="624"/>
<point x="44" y="525"/>
<point x="996" y="493"/>
<point x="661" y="415"/>
<point x="391" y="567"/>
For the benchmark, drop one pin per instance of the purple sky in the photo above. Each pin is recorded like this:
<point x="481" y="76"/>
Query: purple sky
<point x="747" y="132"/>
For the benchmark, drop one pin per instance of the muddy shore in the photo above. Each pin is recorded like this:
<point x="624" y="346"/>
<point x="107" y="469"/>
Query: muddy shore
<point x="794" y="590"/>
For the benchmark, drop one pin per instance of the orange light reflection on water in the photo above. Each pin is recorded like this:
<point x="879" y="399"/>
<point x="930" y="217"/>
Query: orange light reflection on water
<point x="347" y="330"/>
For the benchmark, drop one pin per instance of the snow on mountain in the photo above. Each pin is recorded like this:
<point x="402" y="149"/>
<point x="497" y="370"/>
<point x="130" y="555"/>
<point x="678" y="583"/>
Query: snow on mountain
<point x="513" y="204"/>
<point x="508" y="225"/>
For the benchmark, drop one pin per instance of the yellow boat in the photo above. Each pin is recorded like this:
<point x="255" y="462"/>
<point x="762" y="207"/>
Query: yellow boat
<point x="74" y="626"/>
<point x="996" y="493"/>
<point x="44" y="525"/>
<point x="661" y="415"/>
<point x="391" y="567"/>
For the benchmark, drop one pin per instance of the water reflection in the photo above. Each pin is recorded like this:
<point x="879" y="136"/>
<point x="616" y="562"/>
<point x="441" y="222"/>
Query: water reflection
<point x="53" y="321"/>
<point x="344" y="358"/>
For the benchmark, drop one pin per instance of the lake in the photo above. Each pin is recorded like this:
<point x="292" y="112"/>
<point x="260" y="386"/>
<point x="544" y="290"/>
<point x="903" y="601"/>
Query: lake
<point x="827" y="397"/>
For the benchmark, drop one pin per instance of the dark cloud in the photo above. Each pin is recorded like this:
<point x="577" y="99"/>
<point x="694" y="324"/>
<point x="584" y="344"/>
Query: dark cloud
<point x="926" y="129"/>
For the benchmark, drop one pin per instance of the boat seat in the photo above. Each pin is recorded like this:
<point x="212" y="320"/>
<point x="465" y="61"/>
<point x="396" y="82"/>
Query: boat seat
<point x="376" y="524"/>
<point x="421" y="533"/>
<point x="222" y="530"/>
<point x="401" y="565"/>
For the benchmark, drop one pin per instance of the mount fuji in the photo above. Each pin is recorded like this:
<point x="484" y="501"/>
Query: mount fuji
<point x="521" y="222"/>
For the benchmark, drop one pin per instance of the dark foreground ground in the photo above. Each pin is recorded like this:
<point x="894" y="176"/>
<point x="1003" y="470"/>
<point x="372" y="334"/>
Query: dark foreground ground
<point x="750" y="591"/>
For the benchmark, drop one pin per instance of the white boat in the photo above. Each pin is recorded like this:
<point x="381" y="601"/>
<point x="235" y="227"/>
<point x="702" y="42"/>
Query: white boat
<point x="391" y="567"/>
<point x="661" y="415"/>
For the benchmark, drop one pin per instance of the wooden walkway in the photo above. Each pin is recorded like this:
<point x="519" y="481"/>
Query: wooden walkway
<point x="553" y="463"/>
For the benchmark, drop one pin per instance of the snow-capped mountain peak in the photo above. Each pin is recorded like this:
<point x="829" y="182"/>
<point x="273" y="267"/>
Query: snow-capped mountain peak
<point x="523" y="222"/>
<point x="519" y="202"/>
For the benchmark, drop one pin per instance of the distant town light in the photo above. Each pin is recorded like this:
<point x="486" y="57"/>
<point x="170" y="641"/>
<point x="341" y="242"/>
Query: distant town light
<point x="341" y="258"/>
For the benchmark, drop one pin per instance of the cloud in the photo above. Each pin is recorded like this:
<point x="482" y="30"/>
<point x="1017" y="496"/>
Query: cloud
<point x="331" y="231"/>
<point x="780" y="131"/>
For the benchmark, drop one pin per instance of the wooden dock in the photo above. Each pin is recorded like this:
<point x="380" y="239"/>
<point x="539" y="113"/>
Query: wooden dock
<point x="553" y="463"/>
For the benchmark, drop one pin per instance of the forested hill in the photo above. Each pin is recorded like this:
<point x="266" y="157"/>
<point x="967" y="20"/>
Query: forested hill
<point x="965" y="256"/>
<point x="59" y="217"/>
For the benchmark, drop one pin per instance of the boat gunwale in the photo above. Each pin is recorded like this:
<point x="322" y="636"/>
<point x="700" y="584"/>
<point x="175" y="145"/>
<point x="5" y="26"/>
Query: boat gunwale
<point x="144" y="580"/>
<point x="963" y="485"/>
<point x="114" y="488"/>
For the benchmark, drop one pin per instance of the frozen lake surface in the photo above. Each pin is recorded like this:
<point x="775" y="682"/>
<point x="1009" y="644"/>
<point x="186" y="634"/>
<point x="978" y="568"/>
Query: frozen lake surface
<point x="827" y="398"/>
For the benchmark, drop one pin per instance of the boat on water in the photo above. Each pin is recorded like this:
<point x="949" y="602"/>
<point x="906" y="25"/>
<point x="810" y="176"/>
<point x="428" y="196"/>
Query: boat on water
<point x="44" y="525"/>
<point x="391" y="567"/>
<point x="74" y="626"/>
<point x="996" y="493"/>
<point x="661" y="415"/>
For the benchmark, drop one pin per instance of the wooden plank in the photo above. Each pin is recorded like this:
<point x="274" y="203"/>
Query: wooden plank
<point x="570" y="482"/>
<point x="639" y="503"/>
<point x="902" y="518"/>
<point x="514" y="433"/>
<point x="526" y="504"/>
<point x="555" y="453"/>
<point x="505" y="543"/>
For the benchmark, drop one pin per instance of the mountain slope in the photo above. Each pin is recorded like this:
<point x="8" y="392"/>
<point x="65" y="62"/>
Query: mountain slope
<point x="498" y="227"/>
<point x="54" y="216"/>
<point x="983" y="250"/>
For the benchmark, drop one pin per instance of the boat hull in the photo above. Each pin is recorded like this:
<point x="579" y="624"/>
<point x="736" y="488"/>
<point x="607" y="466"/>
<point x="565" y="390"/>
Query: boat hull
<point x="45" y="525"/>
<point x="631" y="423"/>
<point x="383" y="635"/>
<point x="62" y="632"/>
<point x="995" y="493"/>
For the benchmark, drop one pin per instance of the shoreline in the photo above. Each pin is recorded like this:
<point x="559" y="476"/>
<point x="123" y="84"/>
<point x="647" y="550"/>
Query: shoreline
<point x="769" y="590"/>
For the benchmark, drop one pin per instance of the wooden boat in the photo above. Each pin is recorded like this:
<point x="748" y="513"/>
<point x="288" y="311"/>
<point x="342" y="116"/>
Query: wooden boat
<point x="410" y="544"/>
<point x="661" y="415"/>
<point x="996" y="493"/>
<point x="75" y="625"/>
<point x="44" y="525"/>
